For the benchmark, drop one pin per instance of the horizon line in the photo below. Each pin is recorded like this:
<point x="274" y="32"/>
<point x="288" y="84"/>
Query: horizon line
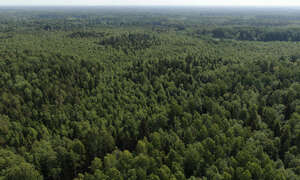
<point x="128" y="5"/>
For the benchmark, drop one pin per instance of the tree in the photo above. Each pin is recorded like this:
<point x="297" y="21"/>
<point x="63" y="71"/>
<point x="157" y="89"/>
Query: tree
<point x="14" y="167"/>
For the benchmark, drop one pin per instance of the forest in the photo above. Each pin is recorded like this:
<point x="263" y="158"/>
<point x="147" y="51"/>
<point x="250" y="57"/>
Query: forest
<point x="149" y="93"/>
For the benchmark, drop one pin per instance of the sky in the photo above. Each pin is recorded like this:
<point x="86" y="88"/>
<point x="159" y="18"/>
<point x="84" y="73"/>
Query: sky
<point x="153" y="2"/>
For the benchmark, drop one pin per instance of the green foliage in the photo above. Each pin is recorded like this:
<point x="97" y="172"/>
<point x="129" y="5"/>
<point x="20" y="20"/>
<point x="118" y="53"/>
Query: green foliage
<point x="82" y="34"/>
<point x="14" y="167"/>
<point x="131" y="42"/>
<point x="91" y="94"/>
<point x="252" y="34"/>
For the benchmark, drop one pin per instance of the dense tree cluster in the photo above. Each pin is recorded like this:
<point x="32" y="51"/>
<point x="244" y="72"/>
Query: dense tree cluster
<point x="125" y="103"/>
<point x="83" y="34"/>
<point x="131" y="42"/>
<point x="253" y="34"/>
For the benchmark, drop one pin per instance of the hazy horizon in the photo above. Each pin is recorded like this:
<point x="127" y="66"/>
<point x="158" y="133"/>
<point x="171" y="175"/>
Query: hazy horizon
<point x="155" y="6"/>
<point x="236" y="3"/>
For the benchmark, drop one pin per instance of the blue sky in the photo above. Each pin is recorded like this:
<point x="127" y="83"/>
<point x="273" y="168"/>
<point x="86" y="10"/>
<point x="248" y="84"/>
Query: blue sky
<point x="155" y="2"/>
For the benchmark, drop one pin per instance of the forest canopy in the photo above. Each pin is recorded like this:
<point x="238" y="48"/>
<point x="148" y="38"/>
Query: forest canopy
<point x="149" y="93"/>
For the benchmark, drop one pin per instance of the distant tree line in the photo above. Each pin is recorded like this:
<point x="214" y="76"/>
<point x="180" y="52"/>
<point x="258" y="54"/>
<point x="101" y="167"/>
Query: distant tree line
<point x="253" y="34"/>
